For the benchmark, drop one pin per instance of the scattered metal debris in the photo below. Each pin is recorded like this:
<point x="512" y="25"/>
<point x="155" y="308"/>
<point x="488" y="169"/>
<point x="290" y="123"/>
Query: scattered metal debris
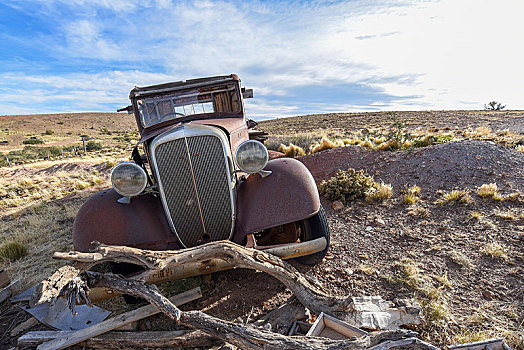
<point x="59" y="316"/>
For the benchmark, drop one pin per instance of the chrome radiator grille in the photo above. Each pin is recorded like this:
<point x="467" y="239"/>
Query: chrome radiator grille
<point x="194" y="180"/>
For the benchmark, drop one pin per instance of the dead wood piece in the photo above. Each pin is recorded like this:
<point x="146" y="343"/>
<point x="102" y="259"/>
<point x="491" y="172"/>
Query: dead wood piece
<point x="128" y="340"/>
<point x="7" y="291"/>
<point x="48" y="289"/>
<point x="242" y="336"/>
<point x="307" y="291"/>
<point x="4" y="278"/>
<point x="76" y="290"/>
<point x="280" y="320"/>
<point x="24" y="326"/>
<point x="119" y="283"/>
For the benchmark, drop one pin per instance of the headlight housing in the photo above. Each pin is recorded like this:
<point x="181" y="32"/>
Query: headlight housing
<point x="128" y="179"/>
<point x="251" y="156"/>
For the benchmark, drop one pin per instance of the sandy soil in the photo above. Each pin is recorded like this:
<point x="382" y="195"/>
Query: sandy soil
<point x="369" y="239"/>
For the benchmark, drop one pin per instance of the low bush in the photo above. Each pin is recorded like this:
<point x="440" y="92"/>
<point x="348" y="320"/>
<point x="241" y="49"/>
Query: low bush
<point x="93" y="146"/>
<point x="494" y="250"/>
<point x="12" y="251"/>
<point x="32" y="141"/>
<point x="348" y="185"/>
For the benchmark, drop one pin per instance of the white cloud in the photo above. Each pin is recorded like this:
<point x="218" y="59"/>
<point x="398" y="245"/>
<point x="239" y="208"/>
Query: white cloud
<point x="431" y="55"/>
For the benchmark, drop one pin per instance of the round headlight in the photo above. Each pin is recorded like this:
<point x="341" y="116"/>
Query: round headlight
<point x="251" y="156"/>
<point x="128" y="179"/>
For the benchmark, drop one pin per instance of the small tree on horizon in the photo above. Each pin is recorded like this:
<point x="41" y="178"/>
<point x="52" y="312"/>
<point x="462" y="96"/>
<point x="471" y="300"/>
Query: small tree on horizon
<point x="494" y="106"/>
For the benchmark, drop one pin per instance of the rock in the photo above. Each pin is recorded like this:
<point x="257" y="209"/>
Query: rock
<point x="337" y="205"/>
<point x="487" y="294"/>
<point x="380" y="222"/>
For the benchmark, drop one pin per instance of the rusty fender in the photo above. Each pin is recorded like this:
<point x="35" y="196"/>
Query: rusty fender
<point x="186" y="270"/>
<point x="141" y="223"/>
<point x="289" y="194"/>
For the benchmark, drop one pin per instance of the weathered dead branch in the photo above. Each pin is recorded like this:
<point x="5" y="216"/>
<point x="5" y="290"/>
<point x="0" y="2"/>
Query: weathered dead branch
<point x="127" y="340"/>
<point x="75" y="284"/>
<point x="308" y="292"/>
<point x="243" y="336"/>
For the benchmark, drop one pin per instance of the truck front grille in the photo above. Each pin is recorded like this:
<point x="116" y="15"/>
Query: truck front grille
<point x="194" y="183"/>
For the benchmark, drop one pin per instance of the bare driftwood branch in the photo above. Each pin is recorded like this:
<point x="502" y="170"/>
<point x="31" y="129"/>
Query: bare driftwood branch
<point x="127" y="340"/>
<point x="76" y="283"/>
<point x="371" y="313"/>
<point x="308" y="292"/>
<point x="243" y="336"/>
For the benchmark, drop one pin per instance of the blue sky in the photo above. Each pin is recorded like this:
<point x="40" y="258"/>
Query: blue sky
<point x="300" y="57"/>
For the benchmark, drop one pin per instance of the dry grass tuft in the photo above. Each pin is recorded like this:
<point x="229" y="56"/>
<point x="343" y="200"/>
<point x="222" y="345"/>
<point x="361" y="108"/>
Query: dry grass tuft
<point x="494" y="250"/>
<point x="460" y="258"/>
<point x="520" y="148"/>
<point x="469" y="336"/>
<point x="380" y="193"/>
<point x="508" y="214"/>
<point x="367" y="143"/>
<point x="292" y="150"/>
<point x="12" y="251"/>
<point x="476" y="215"/>
<point x="483" y="130"/>
<point x="419" y="211"/>
<point x="487" y="190"/>
<point x="326" y="144"/>
<point x="456" y="196"/>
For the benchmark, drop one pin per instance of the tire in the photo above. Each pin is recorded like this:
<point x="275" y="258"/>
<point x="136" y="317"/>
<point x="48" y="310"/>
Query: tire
<point x="312" y="228"/>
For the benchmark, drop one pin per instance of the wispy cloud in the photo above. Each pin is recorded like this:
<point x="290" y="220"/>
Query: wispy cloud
<point x="387" y="54"/>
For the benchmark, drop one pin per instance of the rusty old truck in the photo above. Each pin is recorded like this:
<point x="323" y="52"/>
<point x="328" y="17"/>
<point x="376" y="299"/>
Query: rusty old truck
<point x="196" y="176"/>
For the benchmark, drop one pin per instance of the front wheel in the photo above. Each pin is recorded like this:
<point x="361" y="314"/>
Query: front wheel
<point x="312" y="228"/>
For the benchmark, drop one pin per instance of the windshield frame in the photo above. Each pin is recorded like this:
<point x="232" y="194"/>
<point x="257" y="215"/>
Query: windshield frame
<point x="191" y="95"/>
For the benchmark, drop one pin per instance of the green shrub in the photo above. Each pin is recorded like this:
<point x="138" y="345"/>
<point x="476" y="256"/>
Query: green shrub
<point x="93" y="146"/>
<point x="49" y="132"/>
<point x="31" y="153"/>
<point x="32" y="141"/>
<point x="347" y="185"/>
<point x="12" y="251"/>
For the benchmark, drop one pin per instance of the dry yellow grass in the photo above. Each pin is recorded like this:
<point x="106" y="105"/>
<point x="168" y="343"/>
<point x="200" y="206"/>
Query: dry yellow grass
<point x="292" y="150"/>
<point x="456" y="196"/>
<point x="380" y="193"/>
<point x="326" y="144"/>
<point x="494" y="250"/>
<point x="483" y="130"/>
<point x="487" y="190"/>
<point x="38" y="210"/>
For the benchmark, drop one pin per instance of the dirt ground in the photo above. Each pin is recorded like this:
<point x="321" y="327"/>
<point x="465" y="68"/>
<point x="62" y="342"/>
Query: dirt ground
<point x="398" y="250"/>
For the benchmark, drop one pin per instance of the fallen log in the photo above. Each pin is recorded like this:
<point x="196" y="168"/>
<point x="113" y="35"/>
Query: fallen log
<point x="306" y="290"/>
<point x="243" y="336"/>
<point x="127" y="340"/>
